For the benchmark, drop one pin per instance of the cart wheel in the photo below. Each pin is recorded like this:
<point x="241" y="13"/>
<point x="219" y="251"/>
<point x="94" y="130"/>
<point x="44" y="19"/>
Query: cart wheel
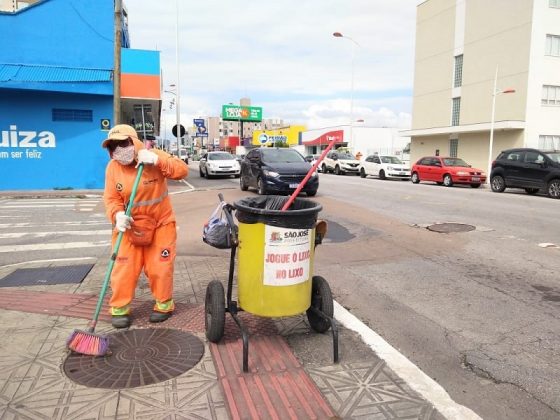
<point x="215" y="311"/>
<point x="321" y="299"/>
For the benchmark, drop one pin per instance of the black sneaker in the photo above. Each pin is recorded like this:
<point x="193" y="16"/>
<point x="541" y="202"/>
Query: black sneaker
<point x="159" y="316"/>
<point x="120" y="321"/>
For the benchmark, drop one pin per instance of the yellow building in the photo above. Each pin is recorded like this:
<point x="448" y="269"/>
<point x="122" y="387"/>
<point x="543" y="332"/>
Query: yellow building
<point x="289" y="135"/>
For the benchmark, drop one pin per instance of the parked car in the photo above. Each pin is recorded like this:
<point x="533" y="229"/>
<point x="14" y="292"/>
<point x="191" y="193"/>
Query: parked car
<point x="312" y="159"/>
<point x="530" y="169"/>
<point x="446" y="171"/>
<point x="340" y="163"/>
<point x="384" y="166"/>
<point x="276" y="170"/>
<point x="218" y="163"/>
<point x="183" y="155"/>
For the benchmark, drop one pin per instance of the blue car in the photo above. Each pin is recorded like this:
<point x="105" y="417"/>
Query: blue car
<point x="276" y="170"/>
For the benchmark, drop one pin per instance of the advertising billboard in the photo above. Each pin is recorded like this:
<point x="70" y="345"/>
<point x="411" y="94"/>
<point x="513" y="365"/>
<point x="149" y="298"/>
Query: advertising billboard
<point x="241" y="113"/>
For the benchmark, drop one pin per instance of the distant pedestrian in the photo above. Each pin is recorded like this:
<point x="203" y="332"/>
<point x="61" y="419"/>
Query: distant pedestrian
<point x="359" y="155"/>
<point x="152" y="213"/>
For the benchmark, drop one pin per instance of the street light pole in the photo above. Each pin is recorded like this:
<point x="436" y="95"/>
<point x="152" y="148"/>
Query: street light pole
<point x="178" y="109"/>
<point x="354" y="44"/>
<point x="495" y="92"/>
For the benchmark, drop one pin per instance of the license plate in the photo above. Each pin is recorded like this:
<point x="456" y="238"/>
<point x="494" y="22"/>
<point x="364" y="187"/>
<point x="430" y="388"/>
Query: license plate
<point x="294" y="185"/>
<point x="475" y="179"/>
<point x="402" y="173"/>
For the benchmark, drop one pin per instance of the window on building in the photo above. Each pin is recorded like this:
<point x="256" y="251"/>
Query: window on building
<point x="551" y="95"/>
<point x="76" y="115"/>
<point x="455" y="111"/>
<point x="549" y="142"/>
<point x="552" y="45"/>
<point x="459" y="70"/>
<point x="554" y="3"/>
<point x="453" y="146"/>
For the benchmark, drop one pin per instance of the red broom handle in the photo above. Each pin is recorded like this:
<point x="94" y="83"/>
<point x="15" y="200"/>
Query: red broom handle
<point x="288" y="203"/>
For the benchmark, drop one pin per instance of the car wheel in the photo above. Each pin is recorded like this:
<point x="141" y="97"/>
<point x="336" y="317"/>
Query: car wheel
<point x="447" y="180"/>
<point x="200" y="172"/>
<point x="324" y="169"/>
<point x="531" y="191"/>
<point x="261" y="187"/>
<point x="475" y="185"/>
<point x="554" y="188"/>
<point x="498" y="184"/>
<point x="382" y="174"/>
<point x="363" y="173"/>
<point x="337" y="170"/>
<point x="242" y="185"/>
<point x="415" y="178"/>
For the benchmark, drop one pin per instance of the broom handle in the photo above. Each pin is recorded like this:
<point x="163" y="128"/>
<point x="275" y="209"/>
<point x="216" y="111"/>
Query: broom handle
<point x="288" y="203"/>
<point x="115" y="252"/>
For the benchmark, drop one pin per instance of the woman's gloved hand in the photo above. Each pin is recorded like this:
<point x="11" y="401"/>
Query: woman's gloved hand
<point x="122" y="221"/>
<point x="146" y="157"/>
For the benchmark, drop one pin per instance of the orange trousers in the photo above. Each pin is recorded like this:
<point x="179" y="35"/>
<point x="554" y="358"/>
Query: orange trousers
<point x="157" y="260"/>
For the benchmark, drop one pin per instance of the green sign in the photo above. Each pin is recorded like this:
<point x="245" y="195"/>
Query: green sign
<point x="241" y="113"/>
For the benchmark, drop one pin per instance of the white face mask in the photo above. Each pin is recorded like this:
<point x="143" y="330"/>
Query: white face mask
<point x="124" y="155"/>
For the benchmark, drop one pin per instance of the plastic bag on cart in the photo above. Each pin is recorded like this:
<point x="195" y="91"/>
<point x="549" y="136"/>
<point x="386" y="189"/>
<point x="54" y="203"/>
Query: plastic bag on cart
<point x="217" y="231"/>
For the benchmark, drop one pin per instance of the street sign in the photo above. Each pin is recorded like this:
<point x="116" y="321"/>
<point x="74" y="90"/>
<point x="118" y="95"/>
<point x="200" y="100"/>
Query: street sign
<point x="241" y="113"/>
<point x="174" y="130"/>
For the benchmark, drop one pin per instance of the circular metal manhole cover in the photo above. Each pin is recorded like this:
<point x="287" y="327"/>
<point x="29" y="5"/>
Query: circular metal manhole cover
<point x="139" y="357"/>
<point x="451" y="227"/>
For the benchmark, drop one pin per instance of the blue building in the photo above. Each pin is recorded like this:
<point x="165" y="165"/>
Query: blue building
<point x="56" y="93"/>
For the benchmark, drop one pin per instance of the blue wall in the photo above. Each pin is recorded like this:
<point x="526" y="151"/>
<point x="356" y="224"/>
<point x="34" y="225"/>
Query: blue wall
<point x="77" y="161"/>
<point x="71" y="33"/>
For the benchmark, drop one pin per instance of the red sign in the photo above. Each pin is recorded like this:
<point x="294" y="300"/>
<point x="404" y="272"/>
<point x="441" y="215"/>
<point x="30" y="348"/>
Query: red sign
<point x="330" y="136"/>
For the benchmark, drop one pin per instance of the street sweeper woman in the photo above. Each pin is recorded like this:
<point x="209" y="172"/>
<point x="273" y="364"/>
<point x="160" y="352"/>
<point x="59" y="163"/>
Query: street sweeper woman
<point x="150" y="235"/>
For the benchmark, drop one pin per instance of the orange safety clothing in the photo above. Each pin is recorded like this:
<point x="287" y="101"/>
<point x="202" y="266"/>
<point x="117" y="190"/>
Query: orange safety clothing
<point x="152" y="200"/>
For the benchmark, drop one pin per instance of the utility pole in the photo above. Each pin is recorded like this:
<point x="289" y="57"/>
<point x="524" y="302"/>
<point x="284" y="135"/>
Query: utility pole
<point x="117" y="68"/>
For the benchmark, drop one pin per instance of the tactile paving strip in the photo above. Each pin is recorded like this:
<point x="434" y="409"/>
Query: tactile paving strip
<point x="139" y="357"/>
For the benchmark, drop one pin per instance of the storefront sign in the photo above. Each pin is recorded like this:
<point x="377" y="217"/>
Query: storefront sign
<point x="24" y="144"/>
<point x="287" y="256"/>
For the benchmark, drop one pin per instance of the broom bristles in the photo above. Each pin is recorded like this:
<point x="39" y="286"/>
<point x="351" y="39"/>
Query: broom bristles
<point x="84" y="342"/>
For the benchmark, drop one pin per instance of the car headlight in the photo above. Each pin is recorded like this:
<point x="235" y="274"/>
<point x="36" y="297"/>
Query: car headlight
<point x="271" y="173"/>
<point x="462" y="173"/>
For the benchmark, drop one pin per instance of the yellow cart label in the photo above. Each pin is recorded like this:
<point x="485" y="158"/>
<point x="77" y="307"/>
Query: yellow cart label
<point x="287" y="256"/>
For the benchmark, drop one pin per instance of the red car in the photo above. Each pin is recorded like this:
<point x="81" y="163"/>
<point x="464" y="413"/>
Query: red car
<point x="446" y="171"/>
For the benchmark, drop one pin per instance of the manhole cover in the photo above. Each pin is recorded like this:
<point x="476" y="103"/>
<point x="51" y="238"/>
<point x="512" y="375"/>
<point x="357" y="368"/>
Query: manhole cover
<point x="451" y="227"/>
<point x="139" y="357"/>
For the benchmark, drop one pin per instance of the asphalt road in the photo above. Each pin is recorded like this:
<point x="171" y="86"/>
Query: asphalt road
<point x="477" y="311"/>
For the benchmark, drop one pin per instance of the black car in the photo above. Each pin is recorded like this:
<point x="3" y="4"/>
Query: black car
<point x="530" y="169"/>
<point x="276" y="170"/>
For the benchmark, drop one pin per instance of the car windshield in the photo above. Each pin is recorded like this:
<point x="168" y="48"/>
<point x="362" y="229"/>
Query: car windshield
<point x="555" y="156"/>
<point x="220" y="156"/>
<point x="281" y="155"/>
<point x="346" y="156"/>
<point x="391" y="159"/>
<point x="455" y="162"/>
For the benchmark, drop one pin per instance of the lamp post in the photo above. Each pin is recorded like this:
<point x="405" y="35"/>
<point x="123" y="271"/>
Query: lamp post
<point x="178" y="95"/>
<point x="177" y="115"/>
<point x="354" y="44"/>
<point x="495" y="92"/>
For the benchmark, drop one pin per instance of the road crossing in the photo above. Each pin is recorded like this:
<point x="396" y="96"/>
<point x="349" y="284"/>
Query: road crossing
<point x="34" y="229"/>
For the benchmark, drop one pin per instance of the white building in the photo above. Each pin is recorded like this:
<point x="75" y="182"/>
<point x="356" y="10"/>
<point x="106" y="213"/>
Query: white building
<point x="460" y="47"/>
<point x="366" y="140"/>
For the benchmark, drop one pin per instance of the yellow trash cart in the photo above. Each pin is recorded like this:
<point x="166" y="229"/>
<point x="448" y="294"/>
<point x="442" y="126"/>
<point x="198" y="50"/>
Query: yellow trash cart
<point x="276" y="252"/>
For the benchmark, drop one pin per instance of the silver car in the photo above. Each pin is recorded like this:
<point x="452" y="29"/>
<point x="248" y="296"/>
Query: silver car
<point x="218" y="164"/>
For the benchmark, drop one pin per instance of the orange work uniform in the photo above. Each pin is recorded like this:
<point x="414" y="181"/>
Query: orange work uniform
<point x="157" y="259"/>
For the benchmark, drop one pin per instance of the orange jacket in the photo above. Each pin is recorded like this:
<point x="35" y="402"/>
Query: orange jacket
<point x="151" y="196"/>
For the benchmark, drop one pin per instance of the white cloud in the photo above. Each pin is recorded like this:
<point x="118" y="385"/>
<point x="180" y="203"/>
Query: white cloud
<point x="283" y="56"/>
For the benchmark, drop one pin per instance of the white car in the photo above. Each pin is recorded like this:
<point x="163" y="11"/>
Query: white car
<point x="218" y="164"/>
<point x="340" y="163"/>
<point x="384" y="166"/>
<point x="312" y="159"/>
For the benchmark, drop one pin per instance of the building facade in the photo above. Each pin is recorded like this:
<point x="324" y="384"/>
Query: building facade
<point x="473" y="54"/>
<point x="56" y="93"/>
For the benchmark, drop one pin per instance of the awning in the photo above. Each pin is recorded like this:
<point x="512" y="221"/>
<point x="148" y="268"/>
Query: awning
<point x="336" y="136"/>
<point x="51" y="74"/>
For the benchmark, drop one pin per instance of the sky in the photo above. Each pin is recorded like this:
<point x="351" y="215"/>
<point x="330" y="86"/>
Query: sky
<point x="284" y="57"/>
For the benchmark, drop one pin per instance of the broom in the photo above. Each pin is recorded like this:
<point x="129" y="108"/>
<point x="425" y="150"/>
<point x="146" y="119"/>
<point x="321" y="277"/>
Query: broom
<point x="87" y="342"/>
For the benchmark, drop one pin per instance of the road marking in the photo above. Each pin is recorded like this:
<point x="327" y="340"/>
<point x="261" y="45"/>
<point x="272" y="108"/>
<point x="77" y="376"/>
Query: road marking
<point x="28" y="224"/>
<point x="37" y="206"/>
<point x="45" y="247"/>
<point x="548" y="245"/>
<point x="16" y="235"/>
<point x="404" y="368"/>
<point x="47" y="261"/>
